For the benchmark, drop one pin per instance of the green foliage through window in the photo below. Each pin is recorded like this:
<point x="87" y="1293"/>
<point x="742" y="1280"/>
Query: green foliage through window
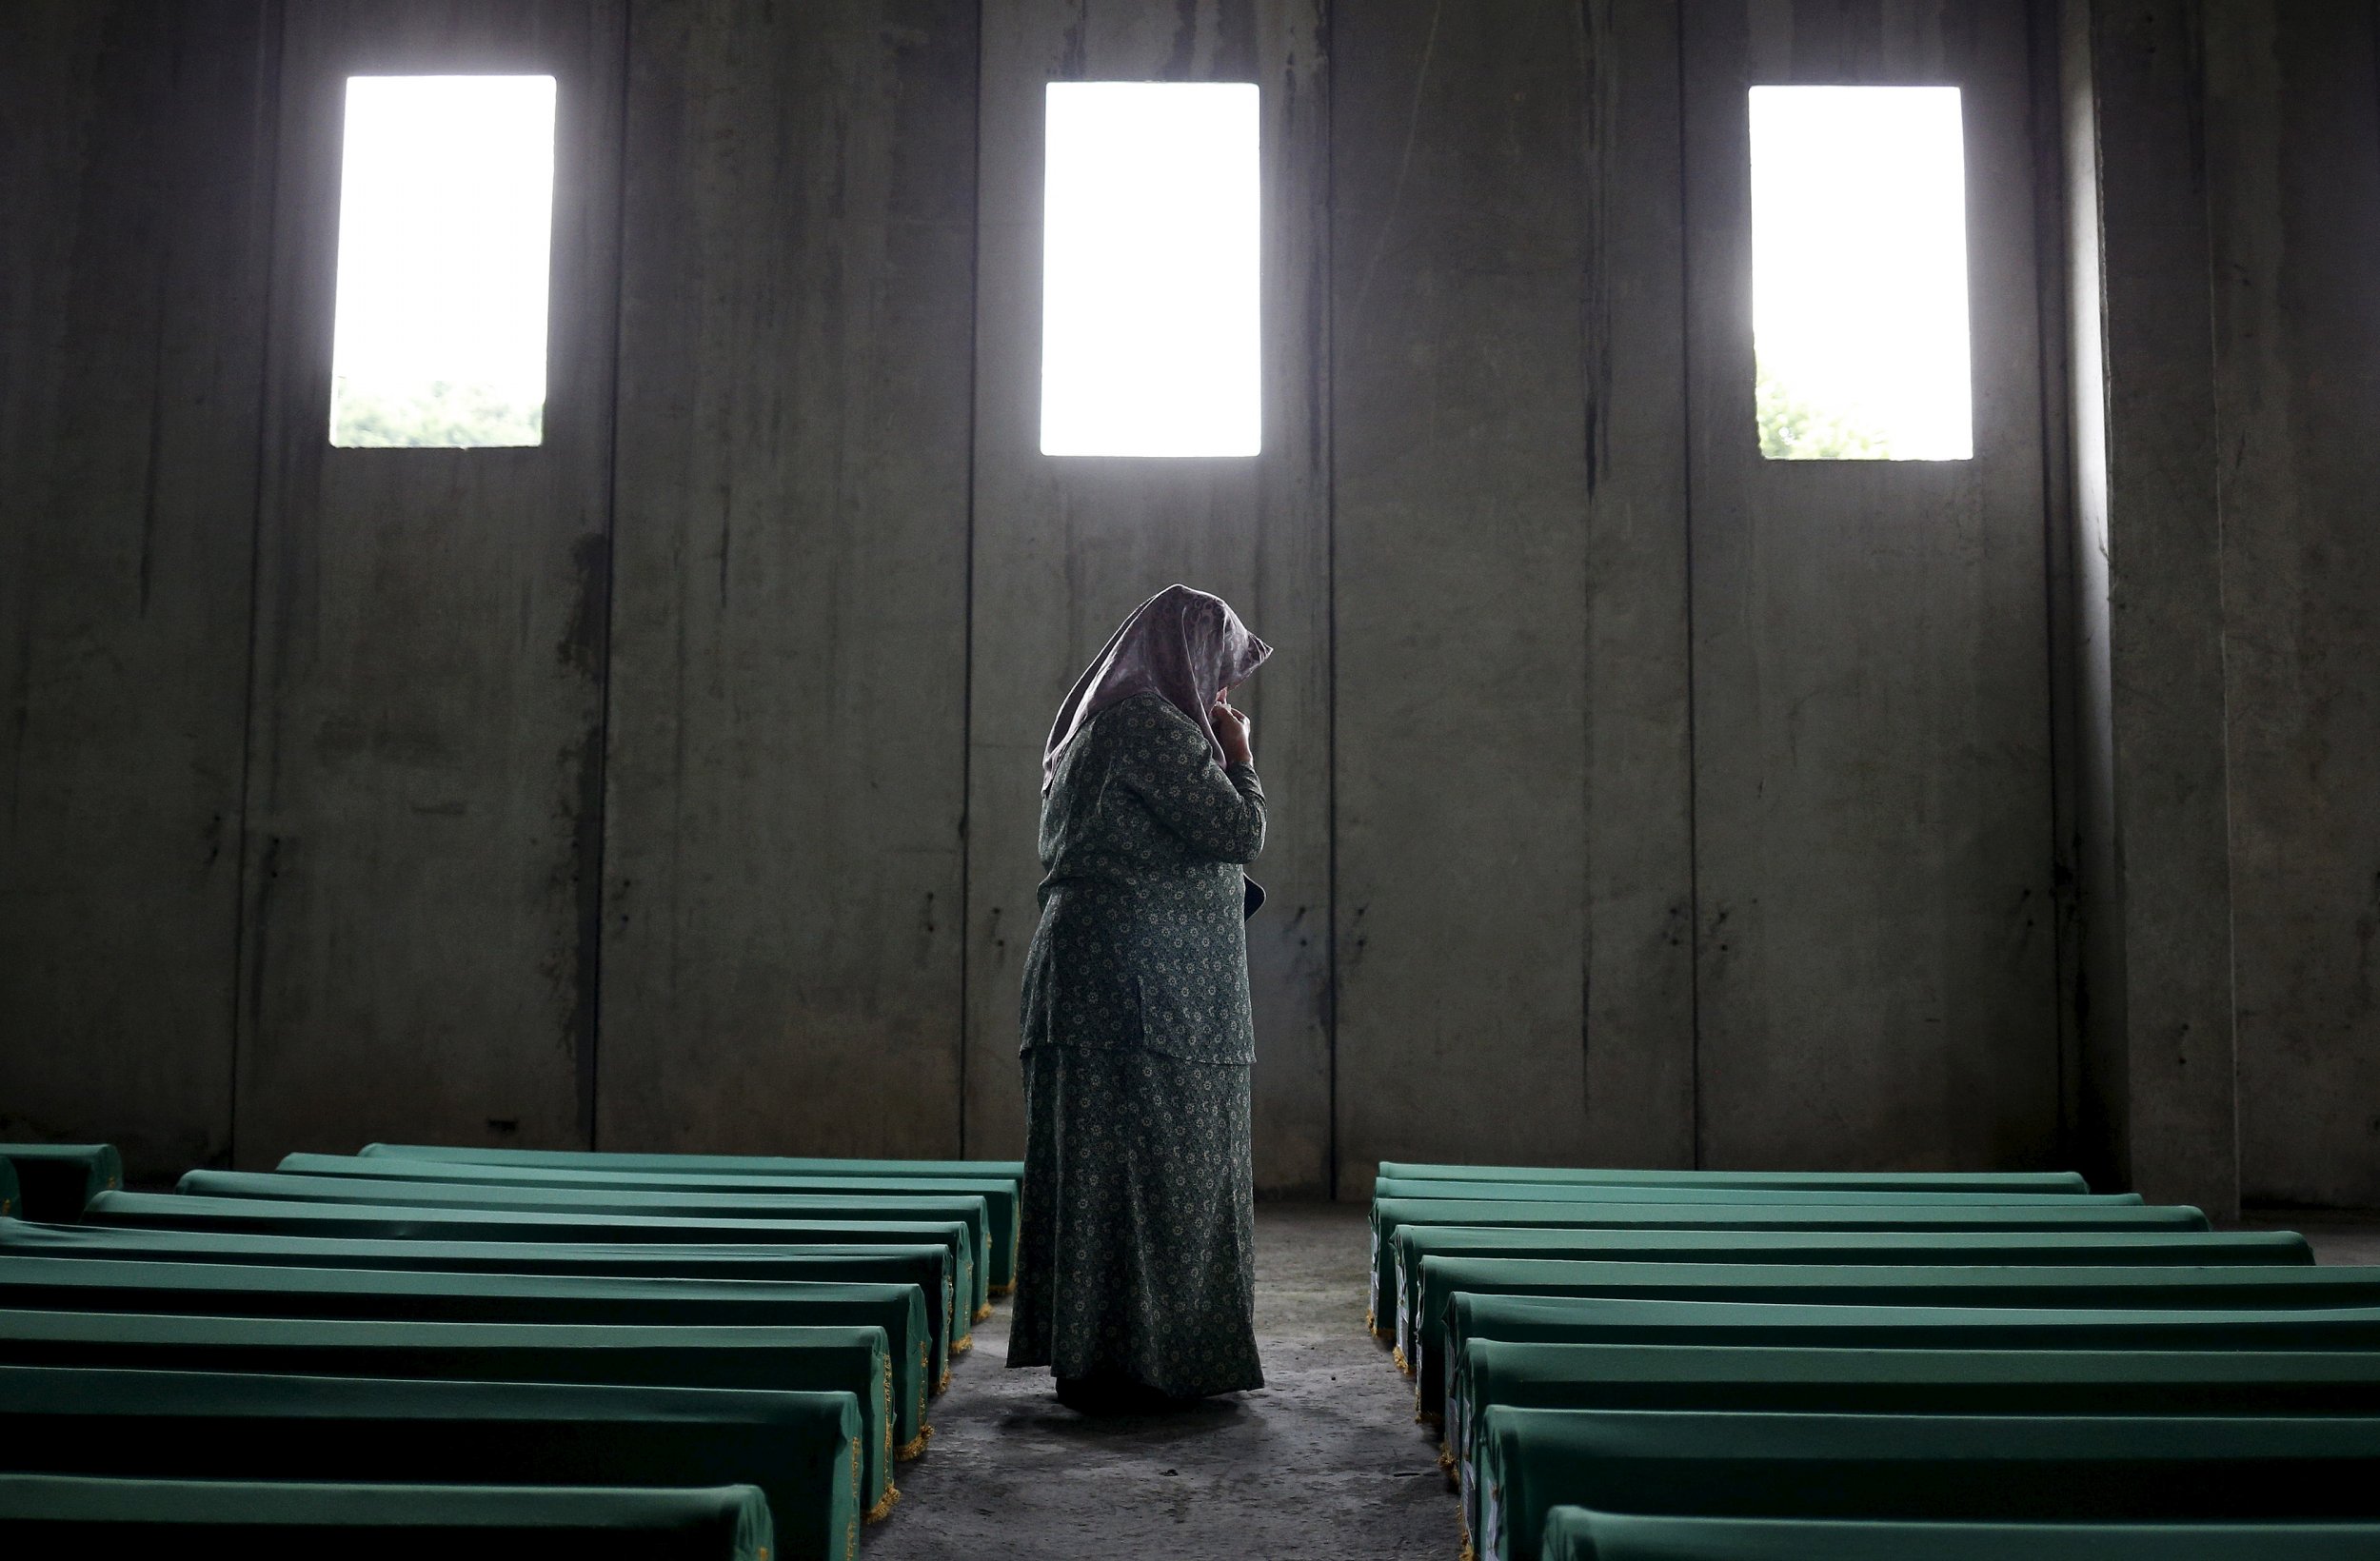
<point x="433" y="415"/>
<point x="1794" y="428"/>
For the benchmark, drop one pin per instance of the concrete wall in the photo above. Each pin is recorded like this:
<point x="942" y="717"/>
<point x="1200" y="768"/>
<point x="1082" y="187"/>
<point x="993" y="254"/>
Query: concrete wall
<point x="1635" y="800"/>
<point x="2223" y="189"/>
<point x="2292" y="127"/>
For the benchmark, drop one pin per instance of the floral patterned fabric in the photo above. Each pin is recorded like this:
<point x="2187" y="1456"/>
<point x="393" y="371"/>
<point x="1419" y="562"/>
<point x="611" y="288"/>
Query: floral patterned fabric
<point x="1140" y="1235"/>
<point x="1142" y="944"/>
<point x="1139" y="1259"/>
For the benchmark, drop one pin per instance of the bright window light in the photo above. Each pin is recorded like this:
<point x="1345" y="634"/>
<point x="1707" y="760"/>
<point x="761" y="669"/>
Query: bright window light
<point x="1859" y="274"/>
<point x="445" y="220"/>
<point x="1149" y="343"/>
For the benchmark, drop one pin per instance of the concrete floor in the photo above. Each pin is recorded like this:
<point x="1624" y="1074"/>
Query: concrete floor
<point x="1324" y="1461"/>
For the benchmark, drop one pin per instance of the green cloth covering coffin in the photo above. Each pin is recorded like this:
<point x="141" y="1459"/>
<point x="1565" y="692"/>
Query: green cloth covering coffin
<point x="2097" y="1249"/>
<point x="799" y="1165"/>
<point x="1912" y="1212"/>
<point x="52" y="1517"/>
<point x="1540" y="1319"/>
<point x="1855" y="1381"/>
<point x="926" y="1267"/>
<point x="263" y="1216"/>
<point x="852" y="1360"/>
<point x="1571" y="1192"/>
<point x="966" y="1208"/>
<point x="2064" y="1288"/>
<point x="802" y="1448"/>
<point x="2138" y="1469"/>
<point x="1574" y="1534"/>
<point x="1000" y="1194"/>
<point x="54" y="1182"/>
<point x="221" y="1290"/>
<point x="1880" y="1182"/>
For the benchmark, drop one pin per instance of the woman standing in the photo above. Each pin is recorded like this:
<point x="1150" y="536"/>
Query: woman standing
<point x="1138" y="1284"/>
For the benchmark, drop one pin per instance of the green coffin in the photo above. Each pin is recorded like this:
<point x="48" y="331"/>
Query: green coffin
<point x="1572" y="1534"/>
<point x="62" y="1515"/>
<point x="95" y="1284"/>
<point x="1538" y="1320"/>
<point x="262" y="1217"/>
<point x="852" y="1360"/>
<point x="1826" y="1381"/>
<point x="1916" y="1214"/>
<point x="2034" y="1248"/>
<point x="1882" y="1181"/>
<point x="802" y="1448"/>
<point x="926" y="1267"/>
<point x="1000" y="1194"/>
<point x="54" y="1180"/>
<point x="964" y="1209"/>
<point x="1572" y="1191"/>
<point x="576" y="1158"/>
<point x="2062" y="1287"/>
<point x="1917" y="1467"/>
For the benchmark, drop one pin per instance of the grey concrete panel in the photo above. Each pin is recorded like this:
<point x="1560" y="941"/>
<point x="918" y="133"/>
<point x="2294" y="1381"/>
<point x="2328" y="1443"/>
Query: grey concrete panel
<point x="781" y="939"/>
<point x="1460" y="569"/>
<point x="425" y="782"/>
<point x="2156" y="445"/>
<point x="2100" y="1127"/>
<point x="2053" y="281"/>
<point x="2292" y="126"/>
<point x="1876" y="970"/>
<point x="1639" y="865"/>
<point x="135" y="209"/>
<point x="1063" y="548"/>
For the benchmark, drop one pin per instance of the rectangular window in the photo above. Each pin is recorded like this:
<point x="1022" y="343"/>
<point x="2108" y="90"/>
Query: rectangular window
<point x="445" y="227"/>
<point x="1859" y="274"/>
<point x="1149" y="338"/>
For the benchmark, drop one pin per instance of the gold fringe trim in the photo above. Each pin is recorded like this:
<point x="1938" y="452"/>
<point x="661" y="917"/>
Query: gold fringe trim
<point x="963" y="1345"/>
<point x="1468" y="1554"/>
<point x="1402" y="1364"/>
<point x="909" y="1451"/>
<point x="882" y="1509"/>
<point x="1008" y="1289"/>
<point x="851" y="1530"/>
<point x="981" y="1312"/>
<point x="1372" y="1322"/>
<point x="943" y="1386"/>
<point x="1446" y="1457"/>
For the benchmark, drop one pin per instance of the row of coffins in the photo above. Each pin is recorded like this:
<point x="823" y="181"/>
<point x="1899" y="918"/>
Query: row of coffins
<point x="485" y="1351"/>
<point x="1715" y="1366"/>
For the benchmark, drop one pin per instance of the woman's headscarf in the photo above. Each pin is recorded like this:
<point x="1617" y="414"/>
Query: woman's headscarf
<point x="1183" y="644"/>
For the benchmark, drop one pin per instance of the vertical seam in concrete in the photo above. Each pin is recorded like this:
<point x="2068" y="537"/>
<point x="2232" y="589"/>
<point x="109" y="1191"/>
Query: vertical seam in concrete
<point x="2195" y="23"/>
<point x="1591" y="257"/>
<point x="2116" y="984"/>
<point x="269" y="103"/>
<point x="966" y="615"/>
<point x="591" y="939"/>
<point x="1329" y="413"/>
<point x="2054" y="375"/>
<point x="1686" y="490"/>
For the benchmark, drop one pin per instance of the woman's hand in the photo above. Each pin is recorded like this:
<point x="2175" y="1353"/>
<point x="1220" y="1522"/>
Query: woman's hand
<point x="1230" y="730"/>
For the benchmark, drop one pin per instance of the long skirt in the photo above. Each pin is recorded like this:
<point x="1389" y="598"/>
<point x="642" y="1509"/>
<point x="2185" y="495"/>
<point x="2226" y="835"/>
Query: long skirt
<point x="1138" y="1255"/>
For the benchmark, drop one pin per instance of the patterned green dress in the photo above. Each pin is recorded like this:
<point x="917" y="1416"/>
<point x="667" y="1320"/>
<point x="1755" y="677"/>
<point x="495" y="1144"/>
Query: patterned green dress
<point x="1139" y="1236"/>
